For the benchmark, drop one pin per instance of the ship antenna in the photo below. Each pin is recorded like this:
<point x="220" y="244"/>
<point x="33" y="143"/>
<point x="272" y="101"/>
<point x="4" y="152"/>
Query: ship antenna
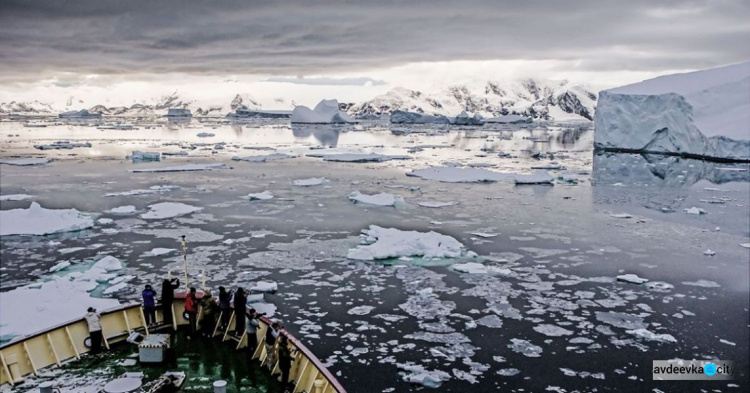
<point x="184" y="259"/>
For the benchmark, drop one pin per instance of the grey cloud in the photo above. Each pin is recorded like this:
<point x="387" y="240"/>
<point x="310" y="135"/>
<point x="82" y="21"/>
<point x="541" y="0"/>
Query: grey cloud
<point x="314" y="37"/>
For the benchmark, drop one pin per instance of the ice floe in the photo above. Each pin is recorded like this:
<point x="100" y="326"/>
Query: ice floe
<point x="37" y="220"/>
<point x="168" y="210"/>
<point x="695" y="210"/>
<point x="127" y="209"/>
<point x="261" y="196"/>
<point x="385" y="243"/>
<point x="538" y="177"/>
<point x="264" y="286"/>
<point x="358" y="157"/>
<point x="419" y="375"/>
<point x="552" y="330"/>
<point x="264" y="158"/>
<point x="525" y="348"/>
<point x="621" y="320"/>
<point x="25" y="161"/>
<point x="181" y="168"/>
<point x="632" y="278"/>
<point x="436" y="204"/>
<point x="651" y="336"/>
<point x="382" y="199"/>
<point x="16" y="197"/>
<point x="161" y="251"/>
<point x="449" y="174"/>
<point x="151" y="190"/>
<point x="313" y="181"/>
<point x="702" y="283"/>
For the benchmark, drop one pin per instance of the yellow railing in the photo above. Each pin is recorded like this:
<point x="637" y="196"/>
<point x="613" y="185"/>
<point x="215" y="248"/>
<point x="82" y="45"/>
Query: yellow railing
<point x="58" y="344"/>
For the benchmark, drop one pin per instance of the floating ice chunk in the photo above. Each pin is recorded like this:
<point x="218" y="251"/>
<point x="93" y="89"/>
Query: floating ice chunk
<point x="695" y="210"/>
<point x="485" y="234"/>
<point x="60" y="266"/>
<point x="746" y="245"/>
<point x="326" y="112"/>
<point x="360" y="310"/>
<point x="205" y="134"/>
<point x="127" y="209"/>
<point x="709" y="252"/>
<point x="313" y="181"/>
<point x="138" y="155"/>
<point x="538" y="177"/>
<point x="37" y="220"/>
<point x="358" y="157"/>
<point x="651" y="336"/>
<point x="161" y="251"/>
<point x="552" y="330"/>
<point x="508" y="372"/>
<point x="632" y="278"/>
<point x="150" y="190"/>
<point x="261" y="196"/>
<point x="525" y="348"/>
<point x="702" y="283"/>
<point x="449" y="174"/>
<point x="580" y="340"/>
<point x="264" y="286"/>
<point x="26" y="161"/>
<point x="659" y="286"/>
<point x="417" y="374"/>
<point x="384" y="243"/>
<point x="381" y="199"/>
<point x="490" y="321"/>
<point x="168" y="210"/>
<point x="621" y="215"/>
<point x="723" y="341"/>
<point x="621" y="320"/>
<point x="264" y="158"/>
<point x="16" y="197"/>
<point x="181" y="168"/>
<point x="436" y="204"/>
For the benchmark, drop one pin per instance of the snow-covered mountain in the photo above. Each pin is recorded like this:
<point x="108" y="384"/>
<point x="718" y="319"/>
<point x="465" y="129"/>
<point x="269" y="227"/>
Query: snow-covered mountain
<point x="33" y="107"/>
<point x="536" y="98"/>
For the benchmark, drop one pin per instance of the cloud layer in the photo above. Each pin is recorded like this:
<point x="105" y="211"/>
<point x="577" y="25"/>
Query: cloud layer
<point x="109" y="37"/>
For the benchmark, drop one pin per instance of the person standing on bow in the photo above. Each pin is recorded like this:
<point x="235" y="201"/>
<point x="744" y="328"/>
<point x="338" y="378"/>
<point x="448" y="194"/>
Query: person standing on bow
<point x="95" y="330"/>
<point x="286" y="357"/>
<point x="149" y="305"/>
<point x="167" y="298"/>
<point x="240" y="308"/>
<point x="225" y="302"/>
<point x="252" y="323"/>
<point x="208" y="305"/>
<point x="272" y="333"/>
<point x="191" y="309"/>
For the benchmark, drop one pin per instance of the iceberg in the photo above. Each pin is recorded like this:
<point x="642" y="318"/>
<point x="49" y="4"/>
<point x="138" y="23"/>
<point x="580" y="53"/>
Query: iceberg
<point x="326" y="112"/>
<point x="403" y="117"/>
<point x="385" y="243"/>
<point x="178" y="112"/>
<point x="463" y="119"/>
<point x="704" y="114"/>
<point x="83" y="113"/>
<point x="37" y="220"/>
<point x="381" y="199"/>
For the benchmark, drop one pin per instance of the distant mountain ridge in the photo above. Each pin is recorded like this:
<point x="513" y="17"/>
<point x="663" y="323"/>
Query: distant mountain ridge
<point x="539" y="99"/>
<point x="535" y="98"/>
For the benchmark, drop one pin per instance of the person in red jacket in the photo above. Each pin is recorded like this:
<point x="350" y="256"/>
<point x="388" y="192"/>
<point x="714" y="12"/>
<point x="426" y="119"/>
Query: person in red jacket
<point x="191" y="309"/>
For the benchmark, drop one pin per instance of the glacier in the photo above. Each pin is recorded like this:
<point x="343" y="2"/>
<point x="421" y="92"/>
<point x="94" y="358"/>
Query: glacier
<point x="326" y="112"/>
<point x="702" y="114"/>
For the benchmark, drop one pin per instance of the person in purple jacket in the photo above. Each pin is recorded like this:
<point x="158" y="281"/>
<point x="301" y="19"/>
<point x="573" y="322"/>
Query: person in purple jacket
<point x="149" y="305"/>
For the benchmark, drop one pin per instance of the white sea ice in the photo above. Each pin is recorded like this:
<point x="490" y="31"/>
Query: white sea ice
<point x="621" y="215"/>
<point x="161" y="251"/>
<point x="60" y="266"/>
<point x="261" y="196"/>
<point x="651" y="336"/>
<point x="418" y="374"/>
<point x="552" y="330"/>
<point x="538" y="177"/>
<point x="385" y="243"/>
<point x="382" y="199"/>
<point x="127" y="209"/>
<point x="525" y="348"/>
<point x="37" y="220"/>
<point x="702" y="283"/>
<point x="745" y="245"/>
<point x="709" y="252"/>
<point x="695" y="210"/>
<point x="632" y="278"/>
<point x="508" y="372"/>
<point x="151" y="190"/>
<point x="313" y="181"/>
<point x="437" y="204"/>
<point x="360" y="310"/>
<point x="16" y="197"/>
<point x="478" y="268"/>
<point x="449" y="174"/>
<point x="326" y="112"/>
<point x="621" y="320"/>
<point x="168" y="210"/>
<point x="181" y="168"/>
<point x="264" y="158"/>
<point x="25" y="161"/>
<point x="264" y="286"/>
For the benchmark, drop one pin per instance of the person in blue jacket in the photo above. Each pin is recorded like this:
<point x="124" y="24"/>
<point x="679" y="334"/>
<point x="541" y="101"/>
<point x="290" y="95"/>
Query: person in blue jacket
<point x="149" y="304"/>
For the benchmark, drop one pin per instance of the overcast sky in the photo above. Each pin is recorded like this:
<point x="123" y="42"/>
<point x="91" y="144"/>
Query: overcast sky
<point x="309" y="48"/>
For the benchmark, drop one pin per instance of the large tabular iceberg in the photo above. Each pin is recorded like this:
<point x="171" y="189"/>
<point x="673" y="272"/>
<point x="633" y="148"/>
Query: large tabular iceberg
<point x="37" y="220"/>
<point x="326" y="112"/>
<point x="703" y="113"/>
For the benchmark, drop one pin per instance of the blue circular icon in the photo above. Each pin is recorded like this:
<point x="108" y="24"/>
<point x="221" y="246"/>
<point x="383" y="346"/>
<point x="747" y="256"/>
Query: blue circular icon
<point x="709" y="369"/>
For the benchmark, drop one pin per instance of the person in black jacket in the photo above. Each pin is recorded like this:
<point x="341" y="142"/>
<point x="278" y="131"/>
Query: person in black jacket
<point x="225" y="305"/>
<point x="167" y="298"/>
<point x="285" y="362"/>
<point x="240" y="308"/>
